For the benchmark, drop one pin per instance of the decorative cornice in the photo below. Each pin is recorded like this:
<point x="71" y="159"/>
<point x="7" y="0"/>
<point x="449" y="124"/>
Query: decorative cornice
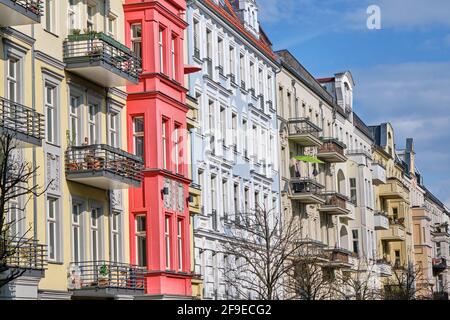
<point x="51" y="61"/>
<point x="18" y="35"/>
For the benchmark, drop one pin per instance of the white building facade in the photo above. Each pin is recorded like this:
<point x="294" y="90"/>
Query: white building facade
<point x="234" y="152"/>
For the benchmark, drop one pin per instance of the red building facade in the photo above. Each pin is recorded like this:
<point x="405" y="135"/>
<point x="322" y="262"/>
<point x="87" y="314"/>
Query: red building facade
<point x="156" y="124"/>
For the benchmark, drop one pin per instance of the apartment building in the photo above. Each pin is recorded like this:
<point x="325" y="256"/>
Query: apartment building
<point x="70" y="67"/>
<point x="392" y="199"/>
<point x="234" y="149"/>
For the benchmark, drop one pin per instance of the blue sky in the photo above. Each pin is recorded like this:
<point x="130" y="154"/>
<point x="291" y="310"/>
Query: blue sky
<point x="402" y="71"/>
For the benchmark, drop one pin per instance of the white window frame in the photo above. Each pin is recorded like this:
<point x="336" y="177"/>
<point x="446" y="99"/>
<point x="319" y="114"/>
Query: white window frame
<point x="180" y="244"/>
<point x="13" y="80"/>
<point x="167" y="241"/>
<point x="114" y="128"/>
<point x="136" y="41"/>
<point x="93" y="123"/>
<point x="51" y="113"/>
<point x="164" y="128"/>
<point x="77" y="227"/>
<point x="95" y="229"/>
<point x="141" y="235"/>
<point x="116" y="229"/>
<point x="52" y="228"/>
<point x="161" y="49"/>
<point x="138" y="135"/>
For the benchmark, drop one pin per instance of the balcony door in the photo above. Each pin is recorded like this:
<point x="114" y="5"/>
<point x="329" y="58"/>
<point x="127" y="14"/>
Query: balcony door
<point x="95" y="235"/>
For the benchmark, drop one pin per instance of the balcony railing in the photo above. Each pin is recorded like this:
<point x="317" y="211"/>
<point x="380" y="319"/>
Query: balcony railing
<point x="381" y="220"/>
<point x="338" y="257"/>
<point x="334" y="203"/>
<point x="106" y="275"/>
<point x="24" y="254"/>
<point x="305" y="185"/>
<point x="103" y="166"/>
<point x="332" y="150"/>
<point x="100" y="58"/>
<point x="21" y="122"/>
<point x="304" y="132"/>
<point x="20" y="12"/>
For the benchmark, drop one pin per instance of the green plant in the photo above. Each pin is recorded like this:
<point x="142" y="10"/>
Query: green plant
<point x="104" y="270"/>
<point x="76" y="31"/>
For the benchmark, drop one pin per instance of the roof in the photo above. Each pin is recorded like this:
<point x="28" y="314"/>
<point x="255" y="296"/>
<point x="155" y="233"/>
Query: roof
<point x="226" y="11"/>
<point x="325" y="80"/>
<point x="359" y="123"/>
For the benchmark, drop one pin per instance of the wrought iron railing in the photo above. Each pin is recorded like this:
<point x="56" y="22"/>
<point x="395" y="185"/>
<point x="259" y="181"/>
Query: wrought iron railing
<point x="97" y="46"/>
<point x="439" y="264"/>
<point x="100" y="157"/>
<point x="301" y="126"/>
<point x="331" y="145"/>
<point x="20" y="119"/>
<point x="25" y="254"/>
<point x="106" y="274"/>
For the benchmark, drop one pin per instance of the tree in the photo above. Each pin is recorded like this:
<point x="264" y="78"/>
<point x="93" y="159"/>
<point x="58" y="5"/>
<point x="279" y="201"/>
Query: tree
<point x="403" y="284"/>
<point x="357" y="283"/>
<point x="16" y="182"/>
<point x="310" y="280"/>
<point x="260" y="244"/>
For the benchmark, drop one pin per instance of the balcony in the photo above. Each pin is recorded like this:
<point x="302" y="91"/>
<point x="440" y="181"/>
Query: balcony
<point x="20" y="12"/>
<point x="195" y="202"/>
<point x="384" y="268"/>
<point x="101" y="59"/>
<point x="25" y="254"/>
<point x="378" y="174"/>
<point x="381" y="220"/>
<point x="332" y="151"/>
<point x="335" y="204"/>
<point x="105" y="279"/>
<point x="103" y="167"/>
<point x="338" y="258"/>
<point x="439" y="265"/>
<point x="393" y="190"/>
<point x="304" y="132"/>
<point x="23" y="123"/>
<point x="440" y="232"/>
<point x="396" y="231"/>
<point x="306" y="190"/>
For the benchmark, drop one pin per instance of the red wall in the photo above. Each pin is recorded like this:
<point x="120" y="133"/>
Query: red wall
<point x="156" y="96"/>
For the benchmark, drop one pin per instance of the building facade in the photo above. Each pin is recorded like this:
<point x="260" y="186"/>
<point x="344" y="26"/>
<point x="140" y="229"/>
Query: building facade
<point x="234" y="149"/>
<point x="72" y="67"/>
<point x="156" y="123"/>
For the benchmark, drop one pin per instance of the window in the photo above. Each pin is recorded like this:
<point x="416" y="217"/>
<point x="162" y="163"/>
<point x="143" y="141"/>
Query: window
<point x="174" y="58"/>
<point x="220" y="54"/>
<point x="115" y="236"/>
<point x="261" y="82"/>
<point x="114" y="130"/>
<point x="74" y="121"/>
<point x="236" y="198"/>
<point x="245" y="137"/>
<point x="180" y="244"/>
<point x="232" y="61"/>
<point x="13" y="216"/>
<point x="246" y="200"/>
<point x="269" y="88"/>
<point x="136" y="39"/>
<point x="13" y="79"/>
<point x="252" y="75"/>
<point x="90" y="22"/>
<point x="176" y="148"/>
<point x="92" y="124"/>
<point x="52" y="228"/>
<point x="223" y="124"/>
<point x="76" y="233"/>
<point x="208" y="44"/>
<point x="164" y="144"/>
<point x="161" y="50"/>
<point x="225" y="200"/>
<point x="438" y="249"/>
<point x="112" y="26"/>
<point x="355" y="241"/>
<point x="141" y="240"/>
<point x="167" y="241"/>
<point x="397" y="258"/>
<point x="212" y="126"/>
<point x="353" y="191"/>
<point x="50" y="106"/>
<point x="196" y="38"/>
<point x="95" y="234"/>
<point x="50" y="15"/>
<point x="395" y="213"/>
<point x="73" y="15"/>
<point x="242" y="69"/>
<point x="234" y="130"/>
<point x="138" y="136"/>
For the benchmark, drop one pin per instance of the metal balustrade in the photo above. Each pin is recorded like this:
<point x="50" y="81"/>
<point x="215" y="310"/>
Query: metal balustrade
<point x="98" y="49"/>
<point x="22" y="122"/>
<point x="84" y="161"/>
<point x="106" y="274"/>
<point x="25" y="254"/>
<point x="20" y="12"/>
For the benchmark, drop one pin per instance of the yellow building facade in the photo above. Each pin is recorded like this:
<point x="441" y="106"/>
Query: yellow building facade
<point x="71" y="68"/>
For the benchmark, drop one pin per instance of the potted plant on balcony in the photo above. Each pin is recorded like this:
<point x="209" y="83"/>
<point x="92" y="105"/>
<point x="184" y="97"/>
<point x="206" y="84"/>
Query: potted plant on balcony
<point x="72" y="164"/>
<point x="103" y="278"/>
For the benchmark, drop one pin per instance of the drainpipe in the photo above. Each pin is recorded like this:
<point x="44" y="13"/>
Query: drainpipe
<point x="104" y="16"/>
<point x="33" y="106"/>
